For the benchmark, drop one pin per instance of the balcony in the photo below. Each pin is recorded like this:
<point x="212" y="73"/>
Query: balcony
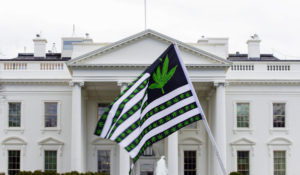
<point x="269" y="71"/>
<point x="18" y="70"/>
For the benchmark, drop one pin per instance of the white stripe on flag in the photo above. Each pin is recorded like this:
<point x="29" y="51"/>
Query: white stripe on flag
<point x="162" y="128"/>
<point x="115" y="106"/>
<point x="130" y="138"/>
<point x="121" y="128"/>
<point x="165" y="98"/>
<point x="130" y="104"/>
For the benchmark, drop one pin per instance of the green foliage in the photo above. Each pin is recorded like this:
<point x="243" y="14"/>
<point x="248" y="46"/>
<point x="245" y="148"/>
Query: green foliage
<point x="235" y="173"/>
<point x="162" y="77"/>
<point x="38" y="172"/>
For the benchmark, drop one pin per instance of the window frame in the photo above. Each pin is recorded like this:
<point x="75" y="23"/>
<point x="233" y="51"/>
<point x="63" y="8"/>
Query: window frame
<point x="242" y="129"/>
<point x="242" y="144"/>
<point x="279" y="144"/>
<point x="285" y="154"/>
<point x="237" y="160"/>
<point x="44" y="152"/>
<point x="58" y="124"/>
<point x="13" y="143"/>
<point x="112" y="150"/>
<point x="20" y="158"/>
<point x="103" y="144"/>
<point x="190" y="147"/>
<point x="195" y="151"/>
<point x="285" y="129"/>
<point x="22" y="116"/>
<point x="237" y="116"/>
<point x="110" y="158"/>
<point x="9" y="103"/>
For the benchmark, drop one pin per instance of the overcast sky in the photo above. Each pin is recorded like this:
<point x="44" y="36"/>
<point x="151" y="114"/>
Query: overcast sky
<point x="277" y="22"/>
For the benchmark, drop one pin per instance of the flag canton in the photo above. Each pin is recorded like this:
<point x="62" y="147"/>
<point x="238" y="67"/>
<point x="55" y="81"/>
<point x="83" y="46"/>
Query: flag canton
<point x="161" y="74"/>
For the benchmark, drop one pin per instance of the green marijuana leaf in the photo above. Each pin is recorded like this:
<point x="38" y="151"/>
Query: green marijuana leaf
<point x="161" y="78"/>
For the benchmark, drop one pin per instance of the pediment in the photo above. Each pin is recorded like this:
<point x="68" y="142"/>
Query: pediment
<point x="242" y="141"/>
<point x="50" y="141"/>
<point x="279" y="141"/>
<point x="141" y="50"/>
<point x="101" y="141"/>
<point x="14" y="141"/>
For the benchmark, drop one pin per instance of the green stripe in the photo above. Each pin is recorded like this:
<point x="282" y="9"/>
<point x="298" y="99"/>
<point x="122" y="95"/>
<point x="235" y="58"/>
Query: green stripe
<point x="137" y="106"/>
<point x="166" y="133"/>
<point x="127" y="115"/>
<point x="102" y="120"/>
<point x="156" y="124"/>
<point x="165" y="105"/>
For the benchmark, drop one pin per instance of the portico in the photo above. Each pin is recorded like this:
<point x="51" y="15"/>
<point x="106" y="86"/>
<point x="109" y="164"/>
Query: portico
<point x="99" y="76"/>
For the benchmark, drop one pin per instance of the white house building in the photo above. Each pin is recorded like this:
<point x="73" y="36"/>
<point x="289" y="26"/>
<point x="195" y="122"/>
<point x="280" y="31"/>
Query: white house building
<point x="50" y="103"/>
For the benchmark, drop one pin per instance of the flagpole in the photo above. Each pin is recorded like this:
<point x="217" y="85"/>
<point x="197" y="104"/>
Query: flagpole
<point x="145" y="6"/>
<point x="212" y="140"/>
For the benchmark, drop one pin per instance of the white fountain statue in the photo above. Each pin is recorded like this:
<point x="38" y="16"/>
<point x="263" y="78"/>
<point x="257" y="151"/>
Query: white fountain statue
<point x="161" y="168"/>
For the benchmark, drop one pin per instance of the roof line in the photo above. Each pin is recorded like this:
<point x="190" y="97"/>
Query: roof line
<point x="144" y="33"/>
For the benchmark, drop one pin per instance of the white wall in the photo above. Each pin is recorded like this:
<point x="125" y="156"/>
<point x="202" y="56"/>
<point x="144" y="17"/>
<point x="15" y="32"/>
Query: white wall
<point x="32" y="98"/>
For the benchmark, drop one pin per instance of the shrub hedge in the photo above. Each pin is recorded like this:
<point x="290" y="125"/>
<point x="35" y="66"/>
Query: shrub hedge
<point x="235" y="173"/>
<point x="38" y="172"/>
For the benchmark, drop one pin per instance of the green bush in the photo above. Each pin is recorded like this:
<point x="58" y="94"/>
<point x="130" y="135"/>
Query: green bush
<point x="235" y="173"/>
<point x="39" y="172"/>
<point x="24" y="173"/>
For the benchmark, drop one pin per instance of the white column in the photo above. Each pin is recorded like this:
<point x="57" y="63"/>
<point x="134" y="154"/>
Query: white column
<point x="77" y="132"/>
<point x="124" y="160"/>
<point x="220" y="126"/>
<point x="173" y="154"/>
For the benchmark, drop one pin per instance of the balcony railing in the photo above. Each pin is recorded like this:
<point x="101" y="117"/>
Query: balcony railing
<point x="15" y="66"/>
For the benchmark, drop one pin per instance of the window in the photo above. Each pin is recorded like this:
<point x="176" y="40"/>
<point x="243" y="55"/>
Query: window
<point x="279" y="163"/>
<point x="242" y="115"/>
<point x="190" y="163"/>
<point x="14" y="114"/>
<point x="68" y="45"/>
<point x="13" y="162"/>
<point x="104" y="161"/>
<point x="149" y="151"/>
<point x="243" y="162"/>
<point x="50" y="161"/>
<point x="278" y="115"/>
<point x="50" y="114"/>
<point x="101" y="109"/>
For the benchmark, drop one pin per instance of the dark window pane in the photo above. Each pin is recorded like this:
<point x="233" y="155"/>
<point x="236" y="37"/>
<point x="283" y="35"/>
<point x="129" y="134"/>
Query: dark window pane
<point x="278" y="115"/>
<point x="190" y="166"/>
<point x="242" y="115"/>
<point x="104" y="161"/>
<point x="14" y="114"/>
<point x="243" y="162"/>
<point x="51" y="161"/>
<point x="51" y="114"/>
<point x="13" y="162"/>
<point x="279" y="162"/>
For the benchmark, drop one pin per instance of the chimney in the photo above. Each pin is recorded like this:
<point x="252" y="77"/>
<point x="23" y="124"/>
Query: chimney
<point x="254" y="47"/>
<point x="39" y="46"/>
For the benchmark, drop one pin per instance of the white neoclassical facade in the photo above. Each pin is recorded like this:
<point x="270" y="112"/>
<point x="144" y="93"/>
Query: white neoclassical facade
<point x="50" y="103"/>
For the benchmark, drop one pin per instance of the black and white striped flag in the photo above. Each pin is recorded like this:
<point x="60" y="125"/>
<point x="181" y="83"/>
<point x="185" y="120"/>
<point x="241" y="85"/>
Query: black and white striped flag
<point x="158" y="103"/>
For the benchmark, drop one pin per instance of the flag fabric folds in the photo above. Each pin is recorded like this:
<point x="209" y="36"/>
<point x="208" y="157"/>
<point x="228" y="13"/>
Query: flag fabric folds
<point x="155" y="105"/>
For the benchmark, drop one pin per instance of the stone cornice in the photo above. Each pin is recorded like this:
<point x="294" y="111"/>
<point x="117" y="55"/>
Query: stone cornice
<point x="35" y="81"/>
<point x="144" y="65"/>
<point x="263" y="82"/>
